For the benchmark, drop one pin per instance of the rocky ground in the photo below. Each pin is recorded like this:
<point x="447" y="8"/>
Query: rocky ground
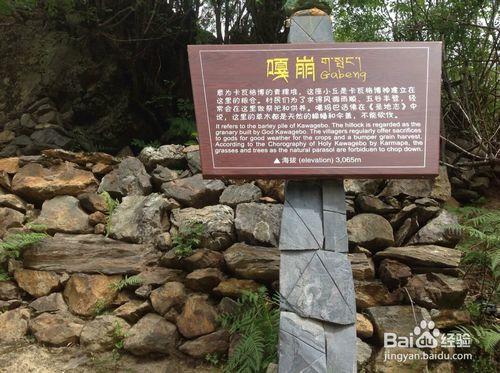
<point x="64" y="293"/>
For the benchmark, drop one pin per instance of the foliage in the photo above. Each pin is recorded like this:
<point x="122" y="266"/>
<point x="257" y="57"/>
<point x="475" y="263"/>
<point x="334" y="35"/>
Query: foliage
<point x="480" y="232"/>
<point x="256" y="322"/>
<point x="118" y="337"/>
<point x="187" y="238"/>
<point x="469" y="30"/>
<point x="100" y="307"/>
<point x="14" y="244"/>
<point x="485" y="338"/>
<point x="111" y="205"/>
<point x="4" y="276"/>
<point x="127" y="281"/>
<point x="141" y="144"/>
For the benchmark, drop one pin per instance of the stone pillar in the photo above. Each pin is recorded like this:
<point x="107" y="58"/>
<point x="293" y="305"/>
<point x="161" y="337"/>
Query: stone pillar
<point x="318" y="309"/>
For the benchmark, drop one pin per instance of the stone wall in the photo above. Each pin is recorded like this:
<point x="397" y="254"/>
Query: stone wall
<point x="400" y="252"/>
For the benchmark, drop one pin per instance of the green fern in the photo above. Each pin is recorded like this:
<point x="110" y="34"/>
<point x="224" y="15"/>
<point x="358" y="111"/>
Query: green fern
<point x="187" y="238"/>
<point x="486" y="338"/>
<point x="14" y="244"/>
<point x="256" y="322"/>
<point x="4" y="276"/>
<point x="127" y="281"/>
<point x="111" y="205"/>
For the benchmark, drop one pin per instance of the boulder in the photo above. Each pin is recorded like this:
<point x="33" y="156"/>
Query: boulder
<point x="371" y="294"/>
<point x="204" y="279"/>
<point x="103" y="333"/>
<point x="37" y="283"/>
<point x="449" y="318"/>
<point x="435" y="290"/>
<point x="258" y="223"/>
<point x="162" y="175"/>
<point x="234" y="287"/>
<point x="89" y="253"/>
<point x="12" y="201"/>
<point x="437" y="232"/>
<point x="362" y="266"/>
<point x="389" y="360"/>
<point x="194" y="161"/>
<point x="171" y="294"/>
<point x="364" y="327"/>
<point x="197" y="318"/>
<point x="9" y="165"/>
<point x="200" y="258"/>
<point x="13" y="325"/>
<point x="396" y="319"/>
<point x="235" y="194"/>
<point x="363" y="186"/>
<point x="85" y="293"/>
<point x="152" y="334"/>
<point x="6" y="136"/>
<point x="218" y="224"/>
<point x="81" y="158"/>
<point x="9" y="218"/>
<point x="158" y="276"/>
<point x="371" y="231"/>
<point x="253" y="262"/>
<point x="140" y="219"/>
<point x="129" y="179"/>
<point x="370" y="204"/>
<point x="133" y="310"/>
<point x="37" y="183"/>
<point x="92" y="202"/>
<point x="406" y="230"/>
<point x="166" y="155"/>
<point x="49" y="138"/>
<point x="363" y="354"/>
<point x="60" y="330"/>
<point x="98" y="218"/>
<point x="438" y="188"/>
<point x="393" y="273"/>
<point x="194" y="191"/>
<point x="9" y="290"/>
<point x="213" y="343"/>
<point x="62" y="214"/>
<point x="51" y="303"/>
<point x="424" y="256"/>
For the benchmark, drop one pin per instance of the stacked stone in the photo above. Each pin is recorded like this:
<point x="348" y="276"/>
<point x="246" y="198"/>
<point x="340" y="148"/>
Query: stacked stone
<point x="399" y="248"/>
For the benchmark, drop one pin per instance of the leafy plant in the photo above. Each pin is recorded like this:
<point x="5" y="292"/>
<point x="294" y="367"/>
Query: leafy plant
<point x="14" y="244"/>
<point x="101" y="307"/>
<point x="127" y="281"/>
<point x="119" y="337"/>
<point x="141" y="144"/>
<point x="4" y="276"/>
<point x="111" y="205"/>
<point x="256" y="322"/>
<point x="187" y="238"/>
<point x="485" y="338"/>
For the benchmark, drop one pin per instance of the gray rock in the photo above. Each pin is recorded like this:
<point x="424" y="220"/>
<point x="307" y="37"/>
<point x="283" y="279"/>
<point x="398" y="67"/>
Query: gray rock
<point x="9" y="218"/>
<point x="129" y="179"/>
<point x="253" y="262"/>
<point x="437" y="232"/>
<point x="435" y="290"/>
<point x="363" y="186"/>
<point x="27" y="121"/>
<point x="140" y="218"/>
<point x="302" y="344"/>
<point x="194" y="162"/>
<point x="151" y="334"/>
<point x="396" y="319"/>
<point x="170" y="156"/>
<point x="194" y="191"/>
<point x="318" y="284"/>
<point x="373" y="205"/>
<point x="364" y="353"/>
<point x="162" y="175"/>
<point x="236" y="194"/>
<point x="423" y="256"/>
<point x="50" y="303"/>
<point x="57" y="330"/>
<point x="92" y="202"/>
<point x="62" y="214"/>
<point x="50" y="136"/>
<point x="218" y="223"/>
<point x="340" y="347"/>
<point x="90" y="254"/>
<point x="407" y="229"/>
<point x="258" y="224"/>
<point x="371" y="231"/>
<point x="438" y="188"/>
<point x="102" y="333"/>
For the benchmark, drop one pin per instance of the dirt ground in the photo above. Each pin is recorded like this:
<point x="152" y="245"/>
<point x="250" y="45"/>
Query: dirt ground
<point x="26" y="357"/>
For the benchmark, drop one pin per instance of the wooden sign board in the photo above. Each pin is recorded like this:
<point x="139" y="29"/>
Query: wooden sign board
<point x="322" y="110"/>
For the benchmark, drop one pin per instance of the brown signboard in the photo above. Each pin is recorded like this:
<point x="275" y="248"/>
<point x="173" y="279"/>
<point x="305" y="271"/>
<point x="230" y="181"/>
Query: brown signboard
<point x="322" y="110"/>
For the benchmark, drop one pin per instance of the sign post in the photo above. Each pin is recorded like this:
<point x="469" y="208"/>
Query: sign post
<point x="317" y="113"/>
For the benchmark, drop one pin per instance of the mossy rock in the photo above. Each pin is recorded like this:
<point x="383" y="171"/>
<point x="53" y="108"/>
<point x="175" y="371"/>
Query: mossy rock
<point x="293" y="6"/>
